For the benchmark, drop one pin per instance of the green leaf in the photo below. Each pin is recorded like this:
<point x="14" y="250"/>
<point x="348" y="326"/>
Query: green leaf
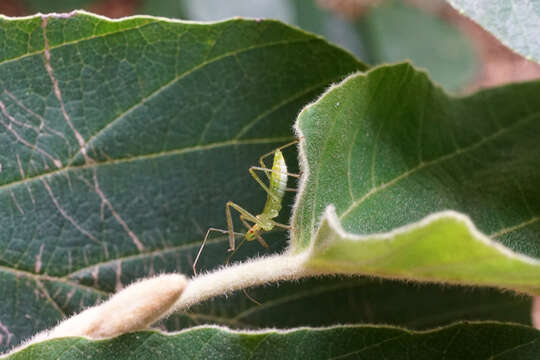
<point x="395" y="31"/>
<point x="121" y="141"/>
<point x="385" y="156"/>
<point x="514" y="23"/>
<point x="460" y="341"/>
<point x="330" y="301"/>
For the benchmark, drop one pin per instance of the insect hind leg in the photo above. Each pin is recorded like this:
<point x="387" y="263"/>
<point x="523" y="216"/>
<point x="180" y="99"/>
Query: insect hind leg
<point x="262" y="184"/>
<point x="268" y="170"/>
<point x="261" y="159"/>
<point x="283" y="226"/>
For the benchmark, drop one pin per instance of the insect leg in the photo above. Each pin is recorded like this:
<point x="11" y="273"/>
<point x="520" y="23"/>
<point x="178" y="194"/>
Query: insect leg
<point x="248" y="226"/>
<point x="261" y="159"/>
<point x="262" y="184"/>
<point x="258" y="179"/>
<point x="261" y="241"/>
<point x="288" y="227"/>
<point x="250" y="297"/>
<point x="267" y="170"/>
<point x="246" y="214"/>
<point x="204" y="243"/>
<point x="234" y="252"/>
<point x="259" y="237"/>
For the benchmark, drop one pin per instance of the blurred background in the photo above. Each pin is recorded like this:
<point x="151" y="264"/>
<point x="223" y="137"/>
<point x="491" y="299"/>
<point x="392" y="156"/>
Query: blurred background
<point x="457" y="53"/>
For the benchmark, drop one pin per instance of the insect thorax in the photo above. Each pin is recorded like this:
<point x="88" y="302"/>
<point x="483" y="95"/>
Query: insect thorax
<point x="252" y="232"/>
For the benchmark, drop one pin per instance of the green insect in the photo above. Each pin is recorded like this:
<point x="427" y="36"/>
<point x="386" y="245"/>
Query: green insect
<point x="258" y="224"/>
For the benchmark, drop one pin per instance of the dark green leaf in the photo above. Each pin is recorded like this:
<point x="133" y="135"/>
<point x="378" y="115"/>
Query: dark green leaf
<point x="170" y="116"/>
<point x="330" y="301"/>
<point x="461" y="341"/>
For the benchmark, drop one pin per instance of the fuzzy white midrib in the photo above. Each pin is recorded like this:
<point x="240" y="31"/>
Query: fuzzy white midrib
<point x="258" y="271"/>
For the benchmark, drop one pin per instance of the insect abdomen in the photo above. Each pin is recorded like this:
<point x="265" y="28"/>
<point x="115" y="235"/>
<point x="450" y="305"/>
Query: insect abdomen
<point x="278" y="184"/>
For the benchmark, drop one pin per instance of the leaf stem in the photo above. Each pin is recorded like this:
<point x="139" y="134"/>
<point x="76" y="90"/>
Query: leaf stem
<point x="148" y="300"/>
<point x="258" y="271"/>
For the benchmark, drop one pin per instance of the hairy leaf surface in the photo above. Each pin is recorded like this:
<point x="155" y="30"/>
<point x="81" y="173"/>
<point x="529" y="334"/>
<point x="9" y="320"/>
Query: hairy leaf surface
<point x="387" y="155"/>
<point x="460" y="341"/>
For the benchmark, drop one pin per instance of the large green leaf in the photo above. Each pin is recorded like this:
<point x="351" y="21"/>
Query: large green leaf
<point x="387" y="153"/>
<point x="121" y="141"/>
<point x="330" y="301"/>
<point x="460" y="341"/>
<point x="515" y="23"/>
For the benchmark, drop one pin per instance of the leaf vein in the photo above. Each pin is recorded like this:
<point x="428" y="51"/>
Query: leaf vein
<point x="173" y="81"/>
<point x="509" y="229"/>
<point x="73" y="42"/>
<point x="426" y="164"/>
<point x="282" y="103"/>
<point x="356" y="352"/>
<point x="263" y="340"/>
<point x="180" y="151"/>
<point x="515" y="347"/>
<point x="54" y="304"/>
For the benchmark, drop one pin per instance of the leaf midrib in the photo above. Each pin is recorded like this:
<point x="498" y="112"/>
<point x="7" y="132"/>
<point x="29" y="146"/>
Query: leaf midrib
<point x="156" y="92"/>
<point x="180" y="151"/>
<point x="175" y="151"/>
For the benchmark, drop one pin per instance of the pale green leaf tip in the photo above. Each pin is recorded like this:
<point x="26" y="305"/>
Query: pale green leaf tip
<point x="461" y="255"/>
<point x="332" y="218"/>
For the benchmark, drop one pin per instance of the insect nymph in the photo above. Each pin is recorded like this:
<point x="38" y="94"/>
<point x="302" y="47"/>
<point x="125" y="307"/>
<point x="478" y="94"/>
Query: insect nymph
<point x="258" y="224"/>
